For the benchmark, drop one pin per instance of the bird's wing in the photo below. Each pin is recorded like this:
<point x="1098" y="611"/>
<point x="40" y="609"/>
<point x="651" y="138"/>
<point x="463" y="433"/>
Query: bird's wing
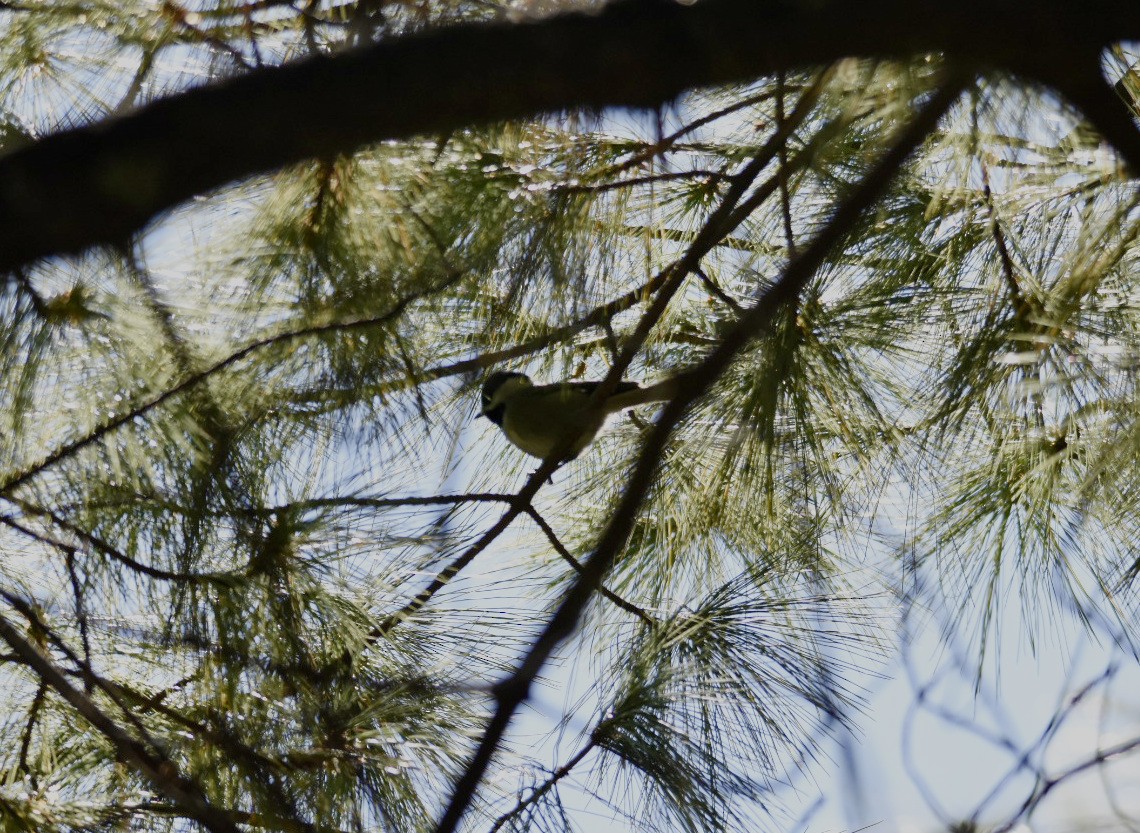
<point x="588" y="388"/>
<point x="625" y="394"/>
<point x="637" y="395"/>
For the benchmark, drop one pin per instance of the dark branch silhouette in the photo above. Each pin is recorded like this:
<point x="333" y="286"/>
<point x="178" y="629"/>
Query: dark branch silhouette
<point x="735" y="206"/>
<point x="102" y="183"/>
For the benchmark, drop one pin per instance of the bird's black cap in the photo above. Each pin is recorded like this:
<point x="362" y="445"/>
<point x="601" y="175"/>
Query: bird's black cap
<point x="493" y="383"/>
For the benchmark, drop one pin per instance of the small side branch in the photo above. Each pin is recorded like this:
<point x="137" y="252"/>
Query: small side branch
<point x="559" y="547"/>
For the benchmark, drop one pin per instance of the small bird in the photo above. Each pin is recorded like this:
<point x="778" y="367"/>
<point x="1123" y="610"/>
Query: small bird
<point x="540" y="419"/>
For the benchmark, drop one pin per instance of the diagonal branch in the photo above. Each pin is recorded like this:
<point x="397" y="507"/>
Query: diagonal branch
<point x="161" y="772"/>
<point x="560" y="548"/>
<point x="259" y="821"/>
<point x="546" y="786"/>
<point x="249" y="761"/>
<point x="98" y="544"/>
<point x="1098" y="102"/>
<point x="192" y="381"/>
<point x="733" y="210"/>
<point x="511" y="692"/>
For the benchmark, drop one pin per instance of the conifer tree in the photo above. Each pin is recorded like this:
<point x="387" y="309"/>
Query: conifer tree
<point x="264" y="568"/>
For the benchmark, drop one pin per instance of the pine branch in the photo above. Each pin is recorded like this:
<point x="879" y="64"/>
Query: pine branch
<point x="698" y="245"/>
<point x="29" y="727"/>
<point x="715" y="290"/>
<point x="161" y="772"/>
<point x="518" y="505"/>
<point x="251" y="762"/>
<point x="191" y="382"/>
<point x="1085" y="86"/>
<point x="546" y="786"/>
<point x="388" y="502"/>
<point x="102" y="183"/>
<point x="701" y="175"/>
<point x="258" y="821"/>
<point x="733" y="209"/>
<point x="661" y="146"/>
<point x="99" y="545"/>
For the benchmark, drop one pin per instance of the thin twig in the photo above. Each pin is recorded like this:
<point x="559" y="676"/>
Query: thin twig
<point x="386" y="502"/>
<point x="193" y="380"/>
<point x="715" y="289"/>
<point x="80" y="609"/>
<point x="560" y="548"/>
<point x="29" y="727"/>
<point x="99" y="545"/>
<point x="648" y="179"/>
<point x="782" y="172"/>
<point x="546" y="786"/>
<point x="1020" y="302"/>
<point x="733" y="210"/>
<point x="671" y="140"/>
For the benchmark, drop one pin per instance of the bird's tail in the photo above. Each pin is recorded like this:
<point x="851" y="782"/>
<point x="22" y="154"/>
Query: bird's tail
<point x="658" y="392"/>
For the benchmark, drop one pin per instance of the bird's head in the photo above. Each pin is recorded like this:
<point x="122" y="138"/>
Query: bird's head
<point x="499" y="387"/>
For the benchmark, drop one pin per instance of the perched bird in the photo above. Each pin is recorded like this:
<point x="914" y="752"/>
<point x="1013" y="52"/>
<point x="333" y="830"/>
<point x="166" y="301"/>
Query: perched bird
<point x="540" y="419"/>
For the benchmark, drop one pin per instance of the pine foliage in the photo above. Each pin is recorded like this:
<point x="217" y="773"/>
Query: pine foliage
<point x="238" y="448"/>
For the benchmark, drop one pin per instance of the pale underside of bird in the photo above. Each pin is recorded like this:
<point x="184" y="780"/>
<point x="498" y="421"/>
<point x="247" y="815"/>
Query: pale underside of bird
<point x="545" y="419"/>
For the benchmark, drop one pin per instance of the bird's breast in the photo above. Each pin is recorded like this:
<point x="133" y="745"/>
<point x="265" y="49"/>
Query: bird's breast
<point x="540" y="430"/>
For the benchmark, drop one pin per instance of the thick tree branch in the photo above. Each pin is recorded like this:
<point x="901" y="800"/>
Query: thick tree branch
<point x="511" y="692"/>
<point x="102" y="183"/>
<point x="1098" y="102"/>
